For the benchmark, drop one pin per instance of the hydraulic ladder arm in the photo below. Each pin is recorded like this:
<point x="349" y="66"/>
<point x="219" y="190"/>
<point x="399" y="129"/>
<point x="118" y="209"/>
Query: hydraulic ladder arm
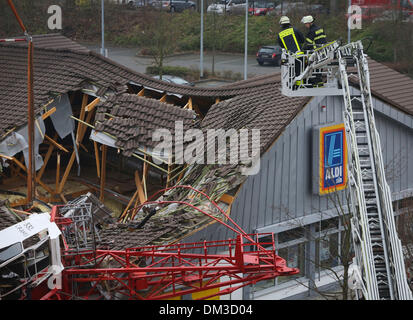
<point x="378" y="250"/>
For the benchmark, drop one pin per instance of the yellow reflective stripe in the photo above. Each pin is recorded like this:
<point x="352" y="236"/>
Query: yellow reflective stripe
<point x="326" y="45"/>
<point x="319" y="31"/>
<point x="296" y="42"/>
<point x="320" y="37"/>
<point x="283" y="34"/>
<point x="285" y="46"/>
<point x="288" y="32"/>
<point x="309" y="40"/>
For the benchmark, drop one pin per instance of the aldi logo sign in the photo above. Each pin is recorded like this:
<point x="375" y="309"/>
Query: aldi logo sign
<point x="331" y="159"/>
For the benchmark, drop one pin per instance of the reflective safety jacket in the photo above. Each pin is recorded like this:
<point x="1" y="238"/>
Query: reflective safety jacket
<point x="315" y="37"/>
<point x="291" y="39"/>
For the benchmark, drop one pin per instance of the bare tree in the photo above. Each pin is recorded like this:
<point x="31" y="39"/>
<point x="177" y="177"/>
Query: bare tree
<point x="159" y="36"/>
<point x="328" y="244"/>
<point x="405" y="230"/>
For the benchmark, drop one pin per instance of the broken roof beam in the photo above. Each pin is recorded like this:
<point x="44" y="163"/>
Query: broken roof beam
<point x="163" y="99"/>
<point x="95" y="145"/>
<point x="57" y="145"/>
<point x="79" y="137"/>
<point x="23" y="167"/>
<point x="46" y="159"/>
<point x="91" y="106"/>
<point x="189" y="104"/>
<point x="103" y="173"/>
<point x="81" y="117"/>
<point x="48" y="113"/>
<point x="123" y="216"/>
<point x="139" y="187"/>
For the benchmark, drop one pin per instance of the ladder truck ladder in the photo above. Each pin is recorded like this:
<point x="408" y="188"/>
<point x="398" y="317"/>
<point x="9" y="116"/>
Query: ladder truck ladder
<point x="378" y="250"/>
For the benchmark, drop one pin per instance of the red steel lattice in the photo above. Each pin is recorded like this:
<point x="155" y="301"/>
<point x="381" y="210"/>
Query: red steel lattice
<point x="165" y="272"/>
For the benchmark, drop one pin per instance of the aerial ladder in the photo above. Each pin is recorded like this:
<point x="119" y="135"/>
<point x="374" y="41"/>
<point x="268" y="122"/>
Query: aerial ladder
<point x="378" y="270"/>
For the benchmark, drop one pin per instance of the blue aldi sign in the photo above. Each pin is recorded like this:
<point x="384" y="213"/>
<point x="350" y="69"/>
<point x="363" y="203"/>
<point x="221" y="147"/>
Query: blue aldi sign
<point x="332" y="159"/>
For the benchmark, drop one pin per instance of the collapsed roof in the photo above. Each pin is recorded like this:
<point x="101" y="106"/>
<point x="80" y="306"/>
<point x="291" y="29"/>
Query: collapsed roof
<point x="131" y="120"/>
<point x="256" y="103"/>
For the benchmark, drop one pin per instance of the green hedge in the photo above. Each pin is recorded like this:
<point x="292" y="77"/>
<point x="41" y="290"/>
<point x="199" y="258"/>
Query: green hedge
<point x="173" y="71"/>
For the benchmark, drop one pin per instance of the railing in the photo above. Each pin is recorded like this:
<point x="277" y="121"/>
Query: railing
<point x="313" y="73"/>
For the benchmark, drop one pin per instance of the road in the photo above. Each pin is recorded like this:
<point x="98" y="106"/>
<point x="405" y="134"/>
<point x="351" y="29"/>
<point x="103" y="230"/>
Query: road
<point x="223" y="61"/>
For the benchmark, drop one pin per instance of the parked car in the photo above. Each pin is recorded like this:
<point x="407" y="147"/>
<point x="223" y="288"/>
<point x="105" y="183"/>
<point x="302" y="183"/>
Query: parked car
<point x="260" y="8"/>
<point x="286" y="8"/>
<point x="270" y="54"/>
<point x="135" y="3"/>
<point x="175" y="80"/>
<point x="174" y="5"/>
<point x="228" y="6"/>
<point x="298" y="8"/>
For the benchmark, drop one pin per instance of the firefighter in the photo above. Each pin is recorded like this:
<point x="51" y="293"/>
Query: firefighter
<point x="291" y="40"/>
<point x="315" y="36"/>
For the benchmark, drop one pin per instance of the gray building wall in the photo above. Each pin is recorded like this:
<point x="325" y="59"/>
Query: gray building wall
<point x="280" y="196"/>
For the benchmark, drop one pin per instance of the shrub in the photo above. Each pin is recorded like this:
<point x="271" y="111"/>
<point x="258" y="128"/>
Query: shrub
<point x="174" y="71"/>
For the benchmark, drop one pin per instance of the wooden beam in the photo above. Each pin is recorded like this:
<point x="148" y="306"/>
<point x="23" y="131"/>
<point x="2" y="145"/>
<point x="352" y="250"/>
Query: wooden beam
<point x="227" y="199"/>
<point x="163" y="99"/>
<point x="46" y="159"/>
<point x="22" y="166"/>
<point x="141" y="93"/>
<point x="182" y="173"/>
<point x="79" y="137"/>
<point x="129" y="204"/>
<point x="190" y="103"/>
<point x="168" y="177"/>
<point x="18" y="203"/>
<point x="57" y="145"/>
<point x="87" y="121"/>
<point x="20" y="211"/>
<point x="92" y="105"/>
<point x="103" y="173"/>
<point x="67" y="171"/>
<point x="139" y="187"/>
<point x="61" y="195"/>
<point x="217" y="100"/>
<point x="48" y="113"/>
<point x="97" y="158"/>
<point x="83" y="147"/>
<point x="78" y="193"/>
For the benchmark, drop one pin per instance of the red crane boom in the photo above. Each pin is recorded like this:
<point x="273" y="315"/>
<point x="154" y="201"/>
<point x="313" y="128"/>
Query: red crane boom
<point x="165" y="272"/>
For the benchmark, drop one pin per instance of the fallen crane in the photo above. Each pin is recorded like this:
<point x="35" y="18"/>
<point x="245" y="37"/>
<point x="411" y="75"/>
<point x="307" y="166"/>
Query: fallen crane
<point x="165" y="272"/>
<point x="145" y="273"/>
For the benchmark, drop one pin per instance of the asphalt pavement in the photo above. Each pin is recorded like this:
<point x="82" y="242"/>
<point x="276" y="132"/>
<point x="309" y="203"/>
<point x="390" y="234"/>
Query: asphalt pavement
<point x="223" y="61"/>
